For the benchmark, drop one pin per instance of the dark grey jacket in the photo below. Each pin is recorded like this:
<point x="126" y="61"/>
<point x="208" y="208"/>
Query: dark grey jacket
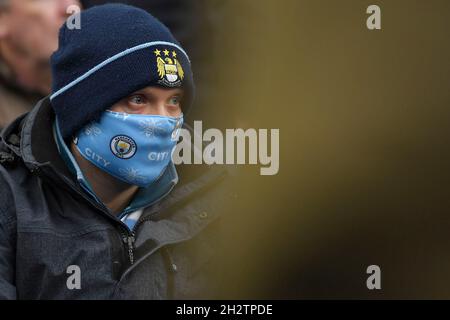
<point x="47" y="224"/>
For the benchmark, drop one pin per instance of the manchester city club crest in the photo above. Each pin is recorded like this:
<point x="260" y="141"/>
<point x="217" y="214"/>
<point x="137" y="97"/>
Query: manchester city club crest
<point x="169" y="68"/>
<point x="123" y="147"/>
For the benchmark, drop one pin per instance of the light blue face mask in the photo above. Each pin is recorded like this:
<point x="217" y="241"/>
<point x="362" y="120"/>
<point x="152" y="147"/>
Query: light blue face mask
<point x="133" y="148"/>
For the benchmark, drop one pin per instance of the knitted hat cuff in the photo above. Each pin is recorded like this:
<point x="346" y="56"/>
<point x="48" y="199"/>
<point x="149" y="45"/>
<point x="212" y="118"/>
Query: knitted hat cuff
<point x="114" y="58"/>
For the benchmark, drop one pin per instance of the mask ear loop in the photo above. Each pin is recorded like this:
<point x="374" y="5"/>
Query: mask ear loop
<point x="176" y="131"/>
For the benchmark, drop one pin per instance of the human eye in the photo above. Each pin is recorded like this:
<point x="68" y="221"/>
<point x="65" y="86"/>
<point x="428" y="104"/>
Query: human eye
<point x="175" y="101"/>
<point x="137" y="99"/>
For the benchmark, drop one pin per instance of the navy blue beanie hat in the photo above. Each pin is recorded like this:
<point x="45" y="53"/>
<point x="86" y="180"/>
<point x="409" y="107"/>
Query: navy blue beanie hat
<point x="118" y="50"/>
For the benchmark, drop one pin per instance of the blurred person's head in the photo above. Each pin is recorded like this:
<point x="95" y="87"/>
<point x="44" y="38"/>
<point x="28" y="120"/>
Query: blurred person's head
<point x="28" y="37"/>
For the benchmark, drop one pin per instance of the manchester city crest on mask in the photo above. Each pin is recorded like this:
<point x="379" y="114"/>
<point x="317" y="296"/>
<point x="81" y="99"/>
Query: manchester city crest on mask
<point x="169" y="68"/>
<point x="123" y="147"/>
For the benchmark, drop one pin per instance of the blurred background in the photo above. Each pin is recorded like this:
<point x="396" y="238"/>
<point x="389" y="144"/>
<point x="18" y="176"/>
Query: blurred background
<point x="364" y="135"/>
<point x="365" y="162"/>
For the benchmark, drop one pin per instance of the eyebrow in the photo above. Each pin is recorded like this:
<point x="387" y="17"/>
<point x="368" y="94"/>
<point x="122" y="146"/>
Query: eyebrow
<point x="143" y="91"/>
<point x="179" y="92"/>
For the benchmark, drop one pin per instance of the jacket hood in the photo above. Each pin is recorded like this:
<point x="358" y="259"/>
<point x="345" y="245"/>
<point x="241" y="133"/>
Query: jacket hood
<point x="30" y="138"/>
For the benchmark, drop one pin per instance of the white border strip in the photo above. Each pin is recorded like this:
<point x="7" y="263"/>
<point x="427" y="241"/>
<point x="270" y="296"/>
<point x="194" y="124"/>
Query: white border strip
<point x="113" y="58"/>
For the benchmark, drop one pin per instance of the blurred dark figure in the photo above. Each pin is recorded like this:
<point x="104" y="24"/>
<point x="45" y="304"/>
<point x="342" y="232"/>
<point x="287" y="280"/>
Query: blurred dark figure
<point x="28" y="37"/>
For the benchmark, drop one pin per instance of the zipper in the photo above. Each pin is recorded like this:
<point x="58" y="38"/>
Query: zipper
<point x="129" y="236"/>
<point x="141" y="220"/>
<point x="129" y="239"/>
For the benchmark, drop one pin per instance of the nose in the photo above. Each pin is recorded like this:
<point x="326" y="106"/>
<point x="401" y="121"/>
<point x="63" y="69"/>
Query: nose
<point x="161" y="109"/>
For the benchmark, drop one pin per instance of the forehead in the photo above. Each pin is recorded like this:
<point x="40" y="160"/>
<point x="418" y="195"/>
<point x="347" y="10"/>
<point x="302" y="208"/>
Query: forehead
<point x="159" y="91"/>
